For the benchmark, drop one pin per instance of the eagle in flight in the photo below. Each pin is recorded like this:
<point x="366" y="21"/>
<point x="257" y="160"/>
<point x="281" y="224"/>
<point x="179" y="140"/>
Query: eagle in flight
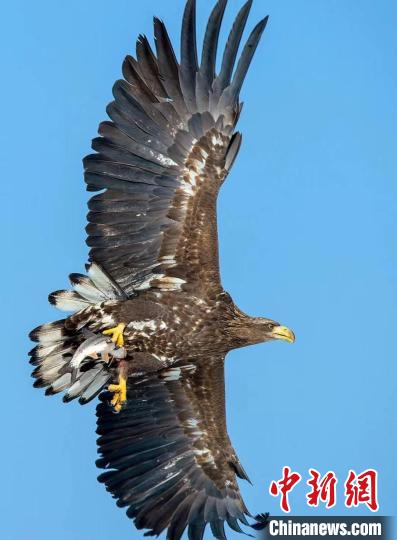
<point x="149" y="326"/>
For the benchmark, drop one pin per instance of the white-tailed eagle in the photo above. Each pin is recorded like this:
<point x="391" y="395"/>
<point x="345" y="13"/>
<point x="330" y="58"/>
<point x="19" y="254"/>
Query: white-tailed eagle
<point x="149" y="326"/>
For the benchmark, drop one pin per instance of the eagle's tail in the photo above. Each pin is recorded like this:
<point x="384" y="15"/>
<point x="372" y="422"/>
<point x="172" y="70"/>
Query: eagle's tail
<point x="58" y="342"/>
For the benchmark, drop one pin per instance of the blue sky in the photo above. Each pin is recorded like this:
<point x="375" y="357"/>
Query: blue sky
<point x="308" y="225"/>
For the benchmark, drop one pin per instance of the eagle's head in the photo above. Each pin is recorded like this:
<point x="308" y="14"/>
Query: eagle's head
<point x="254" y="330"/>
<point x="248" y="330"/>
<point x="268" y="330"/>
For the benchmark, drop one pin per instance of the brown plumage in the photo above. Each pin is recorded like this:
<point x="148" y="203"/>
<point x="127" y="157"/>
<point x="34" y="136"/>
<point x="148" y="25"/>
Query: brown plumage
<point x="154" y="285"/>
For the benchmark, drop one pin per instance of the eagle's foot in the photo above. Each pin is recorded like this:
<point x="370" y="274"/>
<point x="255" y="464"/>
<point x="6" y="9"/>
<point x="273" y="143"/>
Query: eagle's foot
<point x="117" y="334"/>
<point x="120" y="393"/>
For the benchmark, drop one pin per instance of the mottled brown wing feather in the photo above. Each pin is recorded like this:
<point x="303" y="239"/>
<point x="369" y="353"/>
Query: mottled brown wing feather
<point x="169" y="457"/>
<point x="162" y="158"/>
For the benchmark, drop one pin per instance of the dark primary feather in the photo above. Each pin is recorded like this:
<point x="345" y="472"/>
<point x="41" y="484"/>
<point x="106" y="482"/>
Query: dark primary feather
<point x="231" y="50"/>
<point x="169" y="68"/>
<point x="233" y="150"/>
<point x="168" y="457"/>
<point x="164" y="155"/>
<point x="148" y="66"/>
<point x="189" y="60"/>
<point x="246" y="57"/>
<point x="206" y="74"/>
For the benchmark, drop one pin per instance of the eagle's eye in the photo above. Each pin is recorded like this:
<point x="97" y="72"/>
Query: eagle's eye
<point x="270" y="326"/>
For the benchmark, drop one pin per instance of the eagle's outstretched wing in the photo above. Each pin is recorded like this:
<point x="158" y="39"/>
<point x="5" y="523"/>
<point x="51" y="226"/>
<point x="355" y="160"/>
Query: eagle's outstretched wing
<point x="170" y="460"/>
<point x="163" y="157"/>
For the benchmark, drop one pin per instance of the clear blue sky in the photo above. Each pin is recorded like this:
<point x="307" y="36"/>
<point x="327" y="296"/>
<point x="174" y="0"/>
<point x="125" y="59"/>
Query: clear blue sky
<point x="308" y="228"/>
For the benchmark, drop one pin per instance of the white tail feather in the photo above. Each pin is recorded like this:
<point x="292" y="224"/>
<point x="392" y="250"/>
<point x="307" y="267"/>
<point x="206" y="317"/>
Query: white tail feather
<point x="68" y="301"/>
<point x="86" y="288"/>
<point x="93" y="289"/>
<point x="64" y="356"/>
<point x="104" y="283"/>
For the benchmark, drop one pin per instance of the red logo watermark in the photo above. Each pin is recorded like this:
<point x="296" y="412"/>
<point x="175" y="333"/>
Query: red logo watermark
<point x="362" y="489"/>
<point x="359" y="489"/>
<point x="284" y="486"/>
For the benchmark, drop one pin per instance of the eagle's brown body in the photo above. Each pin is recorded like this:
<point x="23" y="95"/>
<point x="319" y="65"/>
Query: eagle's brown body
<point x="171" y="326"/>
<point x="153" y="284"/>
<point x="178" y="325"/>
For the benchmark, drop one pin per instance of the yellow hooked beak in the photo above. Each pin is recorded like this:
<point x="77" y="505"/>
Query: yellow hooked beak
<point x="284" y="333"/>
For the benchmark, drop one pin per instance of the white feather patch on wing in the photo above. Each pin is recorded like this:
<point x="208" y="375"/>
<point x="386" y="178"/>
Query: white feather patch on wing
<point x="172" y="374"/>
<point x="168" y="283"/>
<point x="162" y="358"/>
<point x="147" y="282"/>
<point x="139" y="326"/>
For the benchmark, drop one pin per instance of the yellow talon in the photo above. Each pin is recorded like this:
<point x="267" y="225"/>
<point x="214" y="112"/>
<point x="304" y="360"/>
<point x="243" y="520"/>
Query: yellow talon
<point x="120" y="393"/>
<point x="117" y="334"/>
